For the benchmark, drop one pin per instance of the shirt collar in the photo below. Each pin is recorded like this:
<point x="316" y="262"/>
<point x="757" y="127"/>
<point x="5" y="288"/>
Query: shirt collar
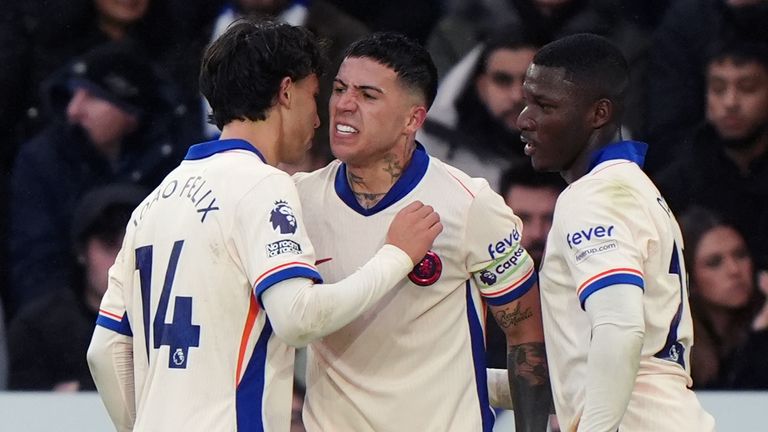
<point x="627" y="150"/>
<point x="412" y="175"/>
<point x="210" y="148"/>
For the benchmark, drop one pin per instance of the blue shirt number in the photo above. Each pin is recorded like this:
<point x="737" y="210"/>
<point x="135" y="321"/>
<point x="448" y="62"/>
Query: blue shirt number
<point x="179" y="334"/>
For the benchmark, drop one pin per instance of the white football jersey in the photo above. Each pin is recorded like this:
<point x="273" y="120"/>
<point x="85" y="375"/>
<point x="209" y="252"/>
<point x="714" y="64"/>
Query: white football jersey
<point x="611" y="227"/>
<point x="221" y="229"/>
<point x="415" y="360"/>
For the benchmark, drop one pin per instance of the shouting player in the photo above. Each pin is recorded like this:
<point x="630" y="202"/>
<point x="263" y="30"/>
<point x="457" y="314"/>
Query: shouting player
<point x="415" y="361"/>
<point x="216" y="261"/>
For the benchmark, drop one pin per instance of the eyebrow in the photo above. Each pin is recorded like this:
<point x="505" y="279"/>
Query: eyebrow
<point x="359" y="87"/>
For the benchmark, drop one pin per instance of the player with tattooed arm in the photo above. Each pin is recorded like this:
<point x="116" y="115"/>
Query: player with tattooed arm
<point x="414" y="361"/>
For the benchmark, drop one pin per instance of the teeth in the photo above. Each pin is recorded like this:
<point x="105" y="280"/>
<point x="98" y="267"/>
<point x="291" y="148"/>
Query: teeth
<point x="345" y="129"/>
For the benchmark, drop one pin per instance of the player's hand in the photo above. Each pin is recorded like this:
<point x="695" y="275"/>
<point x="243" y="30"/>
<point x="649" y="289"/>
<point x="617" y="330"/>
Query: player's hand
<point x="413" y="230"/>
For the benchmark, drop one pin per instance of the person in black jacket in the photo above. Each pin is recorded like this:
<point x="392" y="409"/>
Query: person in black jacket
<point x="113" y="126"/>
<point x="682" y="46"/>
<point x="49" y="337"/>
<point x="725" y="166"/>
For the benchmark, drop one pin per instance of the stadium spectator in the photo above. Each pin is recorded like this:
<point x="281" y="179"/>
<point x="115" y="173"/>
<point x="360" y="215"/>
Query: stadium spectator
<point x="677" y="67"/>
<point x="725" y="162"/>
<point x="466" y="23"/>
<point x="112" y="126"/>
<point x="49" y="337"/>
<point x="472" y="123"/>
<point x="726" y="306"/>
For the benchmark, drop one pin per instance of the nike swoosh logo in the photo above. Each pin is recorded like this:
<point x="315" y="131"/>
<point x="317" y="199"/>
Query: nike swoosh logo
<point x="322" y="260"/>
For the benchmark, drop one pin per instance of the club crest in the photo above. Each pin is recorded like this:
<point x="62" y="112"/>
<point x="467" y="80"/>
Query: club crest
<point x="427" y="271"/>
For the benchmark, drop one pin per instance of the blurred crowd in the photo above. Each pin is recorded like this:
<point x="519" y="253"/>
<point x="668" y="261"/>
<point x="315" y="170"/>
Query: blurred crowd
<point x="100" y="101"/>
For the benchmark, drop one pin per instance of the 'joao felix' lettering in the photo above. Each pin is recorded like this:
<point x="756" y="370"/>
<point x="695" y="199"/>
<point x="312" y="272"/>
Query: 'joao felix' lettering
<point x="202" y="198"/>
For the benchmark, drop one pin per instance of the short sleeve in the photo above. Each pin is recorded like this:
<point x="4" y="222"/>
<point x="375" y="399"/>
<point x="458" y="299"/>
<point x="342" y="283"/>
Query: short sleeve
<point x="271" y="236"/>
<point x="499" y="264"/>
<point x="112" y="311"/>
<point x="598" y="225"/>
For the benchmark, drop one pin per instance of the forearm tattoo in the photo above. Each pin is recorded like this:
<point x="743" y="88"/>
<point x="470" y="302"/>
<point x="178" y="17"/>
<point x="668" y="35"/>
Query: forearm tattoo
<point x="529" y="383"/>
<point x="529" y="362"/>
<point x="507" y="319"/>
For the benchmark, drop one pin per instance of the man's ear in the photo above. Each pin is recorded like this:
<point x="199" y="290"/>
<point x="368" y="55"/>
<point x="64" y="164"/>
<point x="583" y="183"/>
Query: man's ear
<point x="602" y="113"/>
<point x="416" y="118"/>
<point x="285" y="95"/>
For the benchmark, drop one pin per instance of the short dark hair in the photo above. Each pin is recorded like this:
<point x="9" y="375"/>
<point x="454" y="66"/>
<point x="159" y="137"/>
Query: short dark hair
<point x="521" y="173"/>
<point x="241" y="70"/>
<point x="591" y="62"/>
<point x="740" y="52"/>
<point x="409" y="59"/>
<point x="511" y="39"/>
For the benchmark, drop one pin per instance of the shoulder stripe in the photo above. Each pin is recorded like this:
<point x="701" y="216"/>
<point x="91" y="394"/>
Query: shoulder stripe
<point x="624" y="276"/>
<point x="282" y="272"/>
<point x="114" y="322"/>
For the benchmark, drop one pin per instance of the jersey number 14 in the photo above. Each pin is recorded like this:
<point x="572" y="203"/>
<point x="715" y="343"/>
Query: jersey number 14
<point x="180" y="334"/>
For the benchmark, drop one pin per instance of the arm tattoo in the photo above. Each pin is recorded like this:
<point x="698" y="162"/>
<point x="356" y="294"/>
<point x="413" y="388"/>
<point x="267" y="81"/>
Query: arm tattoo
<point x="529" y="382"/>
<point x="507" y="319"/>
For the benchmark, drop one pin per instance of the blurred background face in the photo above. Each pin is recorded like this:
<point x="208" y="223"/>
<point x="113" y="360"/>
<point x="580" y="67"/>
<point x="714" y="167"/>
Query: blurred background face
<point x="103" y="121"/>
<point x="122" y="11"/>
<point x="722" y="269"/>
<point x="737" y="98"/>
<point x="500" y="87"/>
<point x="99" y="257"/>
<point x="535" y="206"/>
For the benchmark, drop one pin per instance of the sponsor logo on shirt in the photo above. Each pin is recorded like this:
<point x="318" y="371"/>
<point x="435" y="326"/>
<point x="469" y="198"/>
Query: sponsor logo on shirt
<point x="502" y="247"/>
<point x="582" y="254"/>
<point x="283" y="247"/>
<point x="491" y="274"/>
<point x="589" y="234"/>
<point x="282" y="218"/>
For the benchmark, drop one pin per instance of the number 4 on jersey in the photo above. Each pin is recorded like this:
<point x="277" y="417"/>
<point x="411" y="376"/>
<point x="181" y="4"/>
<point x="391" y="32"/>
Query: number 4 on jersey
<point x="180" y="334"/>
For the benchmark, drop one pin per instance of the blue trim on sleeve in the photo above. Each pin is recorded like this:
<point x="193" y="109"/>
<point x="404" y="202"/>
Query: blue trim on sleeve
<point x="411" y="177"/>
<point x="210" y="148"/>
<point x="284" y="274"/>
<point x="515" y="293"/>
<point x="628" y="150"/>
<point x="249" y="395"/>
<point x="614" y="279"/>
<point x="477" y="340"/>
<point x="123" y="327"/>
